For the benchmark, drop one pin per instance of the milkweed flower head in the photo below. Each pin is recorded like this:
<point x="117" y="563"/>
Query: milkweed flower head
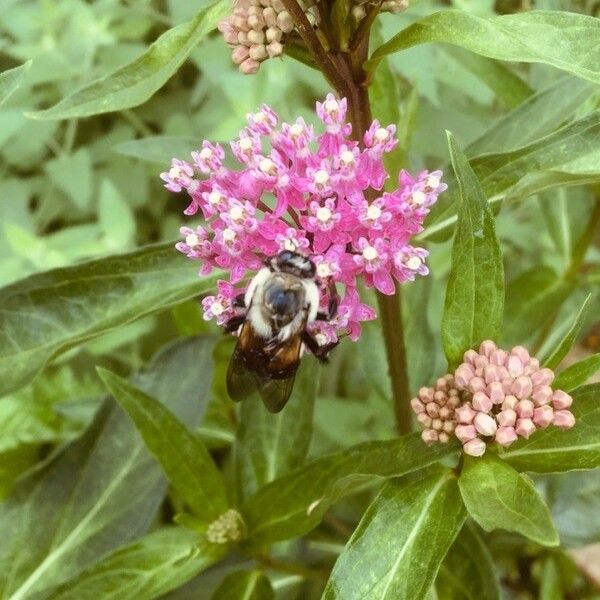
<point x="493" y="396"/>
<point x="319" y="194"/>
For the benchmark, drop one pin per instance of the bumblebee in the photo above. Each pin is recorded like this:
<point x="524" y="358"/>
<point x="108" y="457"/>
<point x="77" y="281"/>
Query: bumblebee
<point x="281" y="300"/>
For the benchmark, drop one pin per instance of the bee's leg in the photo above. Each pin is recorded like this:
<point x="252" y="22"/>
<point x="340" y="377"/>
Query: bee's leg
<point x="239" y="302"/>
<point x="332" y="307"/>
<point x="320" y="352"/>
<point x="234" y="323"/>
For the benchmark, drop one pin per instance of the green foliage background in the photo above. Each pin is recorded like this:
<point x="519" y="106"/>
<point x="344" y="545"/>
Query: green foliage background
<point x="87" y="511"/>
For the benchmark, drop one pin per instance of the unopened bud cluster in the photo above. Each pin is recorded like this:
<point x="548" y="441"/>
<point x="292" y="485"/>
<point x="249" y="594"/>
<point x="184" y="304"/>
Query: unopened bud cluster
<point x="494" y="395"/>
<point x="229" y="527"/>
<point x="257" y="29"/>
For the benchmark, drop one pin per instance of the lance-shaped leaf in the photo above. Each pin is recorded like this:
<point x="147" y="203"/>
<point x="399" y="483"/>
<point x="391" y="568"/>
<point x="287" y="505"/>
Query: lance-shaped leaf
<point x="399" y="544"/>
<point x="158" y="149"/>
<point x="269" y="445"/>
<point x="564" y="40"/>
<point x="555" y="451"/>
<point x="577" y="374"/>
<point x="48" y="313"/>
<point x="295" y="503"/>
<point x="468" y="571"/>
<point x="568" y="340"/>
<point x="11" y="79"/>
<point x="498" y="497"/>
<point x="148" y="568"/>
<point x="246" y="585"/>
<point x="475" y="294"/>
<point x="134" y="83"/>
<point x="183" y="457"/>
<point x="103" y="490"/>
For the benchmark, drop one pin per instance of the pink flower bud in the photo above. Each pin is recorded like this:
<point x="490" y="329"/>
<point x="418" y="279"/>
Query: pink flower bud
<point x="481" y="402"/>
<point x="449" y="426"/>
<point x="564" y="419"/>
<point x="477" y="384"/>
<point x="542" y="377"/>
<point x="463" y="375"/>
<point x="495" y="391"/>
<point x="424" y="419"/>
<point x="481" y="361"/>
<point x="525" y="427"/>
<point x="507" y="383"/>
<point x="522" y="387"/>
<point x="258" y="52"/>
<point x="439" y="397"/>
<point x="491" y="373"/>
<point x="515" y="366"/>
<point x="505" y="436"/>
<point x="437" y="424"/>
<point x="524" y="409"/>
<point x="443" y="437"/>
<point x="485" y="424"/>
<point x="249" y="66"/>
<point x="487" y="347"/>
<point x="541" y="395"/>
<point x="426" y="394"/>
<point x="433" y="410"/>
<point x="239" y="55"/>
<point x="465" y="414"/>
<point x="275" y="49"/>
<point x="543" y="416"/>
<point x="441" y="384"/>
<point x="561" y="400"/>
<point x="534" y="363"/>
<point x="429" y="436"/>
<point x="522" y="353"/>
<point x="465" y="432"/>
<point x="474" y="447"/>
<point x="509" y="402"/>
<point x="417" y="405"/>
<point x="445" y="412"/>
<point x="453" y="401"/>
<point x="498" y="357"/>
<point x="507" y="418"/>
<point x="470" y="356"/>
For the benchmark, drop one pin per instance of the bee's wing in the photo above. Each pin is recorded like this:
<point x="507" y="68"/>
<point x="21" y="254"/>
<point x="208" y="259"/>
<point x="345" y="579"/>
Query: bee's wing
<point x="276" y="392"/>
<point x="241" y="381"/>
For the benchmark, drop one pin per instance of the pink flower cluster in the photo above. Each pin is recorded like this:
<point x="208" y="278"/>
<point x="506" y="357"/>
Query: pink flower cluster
<point x="494" y="395"/>
<point x="316" y="194"/>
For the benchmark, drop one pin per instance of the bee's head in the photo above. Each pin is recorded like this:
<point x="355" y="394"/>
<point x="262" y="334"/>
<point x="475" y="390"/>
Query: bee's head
<point x="293" y="263"/>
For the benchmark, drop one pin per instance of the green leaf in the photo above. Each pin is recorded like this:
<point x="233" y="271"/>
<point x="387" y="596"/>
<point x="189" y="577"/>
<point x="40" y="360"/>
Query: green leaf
<point x="73" y="175"/>
<point x="569" y="339"/>
<point x="564" y="40"/>
<point x="498" y="497"/>
<point x="11" y="79"/>
<point x="555" y="451"/>
<point x="183" y="457"/>
<point x="245" y="585"/>
<point x="550" y="588"/>
<point x="578" y="373"/>
<point x="49" y="313"/>
<point x="468" y="571"/>
<point x="115" y="217"/>
<point x="475" y="294"/>
<point x="399" y="544"/>
<point x="296" y="502"/>
<point x="536" y="117"/>
<point x="102" y="491"/>
<point x="568" y="156"/>
<point x="148" y="568"/>
<point x="269" y="445"/>
<point x="134" y="83"/>
<point x="158" y="149"/>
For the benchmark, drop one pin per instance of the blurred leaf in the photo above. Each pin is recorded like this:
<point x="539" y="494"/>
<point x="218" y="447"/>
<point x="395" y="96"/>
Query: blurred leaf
<point x="158" y="149"/>
<point x="556" y="451"/>
<point x="72" y="174"/>
<point x="269" y="445"/>
<point x="536" y="117"/>
<point x="134" y="83"/>
<point x="564" y="40"/>
<point x="498" y="497"/>
<point x="246" y="585"/>
<point x="475" y="294"/>
<point x="115" y="217"/>
<point x="508" y="87"/>
<point x="574" y="499"/>
<point x="146" y="569"/>
<point x="550" y="588"/>
<point x="570" y="337"/>
<point x="374" y="359"/>
<point x="183" y="457"/>
<point x="468" y="571"/>
<point x="296" y="502"/>
<point x="46" y="314"/>
<point x="100" y="492"/>
<point x="566" y="157"/>
<point x="532" y="300"/>
<point x="578" y="373"/>
<point x="11" y="79"/>
<point x="399" y="544"/>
